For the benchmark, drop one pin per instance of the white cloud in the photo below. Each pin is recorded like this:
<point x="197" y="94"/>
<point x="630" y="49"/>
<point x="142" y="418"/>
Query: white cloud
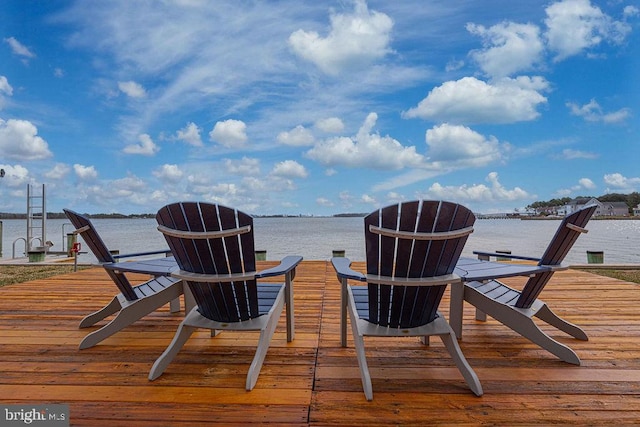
<point x="18" y="48"/>
<point x="5" y="89"/>
<point x="5" y="86"/>
<point x="224" y="191"/>
<point x="199" y="183"/>
<point x="454" y="65"/>
<point x="469" y="100"/>
<point x="16" y="176"/>
<point x="289" y="169"/>
<point x="322" y="201"/>
<point x="592" y="112"/>
<point x="129" y="186"/>
<point x="85" y="173"/>
<point x="577" y="25"/>
<point x="244" y="167"/>
<point x="583" y="184"/>
<point x="346" y="199"/>
<point x="132" y="89"/>
<point x="190" y="134"/>
<point x="256" y="184"/>
<point x="621" y="183"/>
<point x="587" y="183"/>
<point x="179" y="59"/>
<point x="508" y="48"/>
<point x="365" y="150"/>
<point x="59" y="171"/>
<point x="330" y="125"/>
<point x="365" y="198"/>
<point x="355" y="40"/>
<point x="616" y="116"/>
<point x="459" y="146"/>
<point x="480" y="193"/>
<point x="230" y="133"/>
<point x="169" y="173"/>
<point x="393" y="197"/>
<point x="410" y="177"/>
<point x="19" y="140"/>
<point x="146" y="147"/>
<point x="630" y="11"/>
<point x="58" y="72"/>
<point x="296" y="137"/>
<point x="570" y="154"/>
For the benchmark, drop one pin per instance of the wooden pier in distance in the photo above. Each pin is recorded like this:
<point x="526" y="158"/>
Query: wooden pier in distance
<point x="312" y="381"/>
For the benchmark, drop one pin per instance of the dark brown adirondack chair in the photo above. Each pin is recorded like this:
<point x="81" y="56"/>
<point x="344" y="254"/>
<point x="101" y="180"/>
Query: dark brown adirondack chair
<point x="133" y="302"/>
<point x="214" y="248"/>
<point x="514" y="308"/>
<point x="411" y="251"/>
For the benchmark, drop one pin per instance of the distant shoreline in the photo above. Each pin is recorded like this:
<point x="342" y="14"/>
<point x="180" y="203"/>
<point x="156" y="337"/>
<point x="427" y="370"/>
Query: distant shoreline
<point x="60" y="215"/>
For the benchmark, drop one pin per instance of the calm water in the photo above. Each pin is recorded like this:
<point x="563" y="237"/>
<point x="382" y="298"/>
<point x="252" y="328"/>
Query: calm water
<point x="315" y="238"/>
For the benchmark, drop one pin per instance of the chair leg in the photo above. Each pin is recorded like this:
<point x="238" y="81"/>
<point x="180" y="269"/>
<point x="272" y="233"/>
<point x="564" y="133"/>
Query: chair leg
<point x="456" y="308"/>
<point x="134" y="311"/>
<point x="90" y="320"/>
<point x="189" y="299"/>
<point x="528" y="329"/>
<point x="547" y="315"/>
<point x="263" y="344"/>
<point x="174" y="305"/>
<point x="125" y="317"/>
<point x="179" y="339"/>
<point x="470" y="377"/>
<point x="522" y="324"/>
<point x="358" y="342"/>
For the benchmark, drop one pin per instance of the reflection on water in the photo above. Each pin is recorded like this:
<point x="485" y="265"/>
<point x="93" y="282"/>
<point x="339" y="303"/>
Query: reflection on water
<point x="316" y="238"/>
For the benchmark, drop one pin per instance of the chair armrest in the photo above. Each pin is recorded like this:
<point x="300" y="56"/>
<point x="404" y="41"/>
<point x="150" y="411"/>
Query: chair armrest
<point x="165" y="251"/>
<point x="344" y="271"/>
<point x="501" y="255"/>
<point x="287" y="264"/>
<point x="557" y="267"/>
<point x="156" y="267"/>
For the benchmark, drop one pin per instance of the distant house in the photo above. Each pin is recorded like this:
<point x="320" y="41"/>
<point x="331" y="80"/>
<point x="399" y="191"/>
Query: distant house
<point x="548" y="210"/>
<point x="636" y="211"/>
<point x="577" y="204"/>
<point x="603" y="209"/>
<point x="613" y="209"/>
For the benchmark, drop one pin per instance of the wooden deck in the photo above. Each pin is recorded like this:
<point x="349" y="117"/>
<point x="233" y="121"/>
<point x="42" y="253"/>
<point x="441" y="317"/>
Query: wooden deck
<point x="313" y="381"/>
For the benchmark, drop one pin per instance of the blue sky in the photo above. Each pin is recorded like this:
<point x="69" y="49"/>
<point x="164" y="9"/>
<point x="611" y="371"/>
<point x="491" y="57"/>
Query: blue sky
<point x="308" y="107"/>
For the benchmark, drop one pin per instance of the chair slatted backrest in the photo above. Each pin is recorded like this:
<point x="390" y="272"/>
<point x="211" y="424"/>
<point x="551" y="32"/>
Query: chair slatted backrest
<point x="100" y="251"/>
<point x="407" y="255"/>
<point x="568" y="232"/>
<point x="207" y="253"/>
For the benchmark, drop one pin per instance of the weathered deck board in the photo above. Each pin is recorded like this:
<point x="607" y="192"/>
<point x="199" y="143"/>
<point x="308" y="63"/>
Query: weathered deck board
<point x="313" y="381"/>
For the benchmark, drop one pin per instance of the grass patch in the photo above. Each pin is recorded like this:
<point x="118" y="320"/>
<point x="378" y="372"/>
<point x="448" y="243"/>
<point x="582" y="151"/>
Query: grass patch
<point x="626" y="275"/>
<point x="10" y="274"/>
